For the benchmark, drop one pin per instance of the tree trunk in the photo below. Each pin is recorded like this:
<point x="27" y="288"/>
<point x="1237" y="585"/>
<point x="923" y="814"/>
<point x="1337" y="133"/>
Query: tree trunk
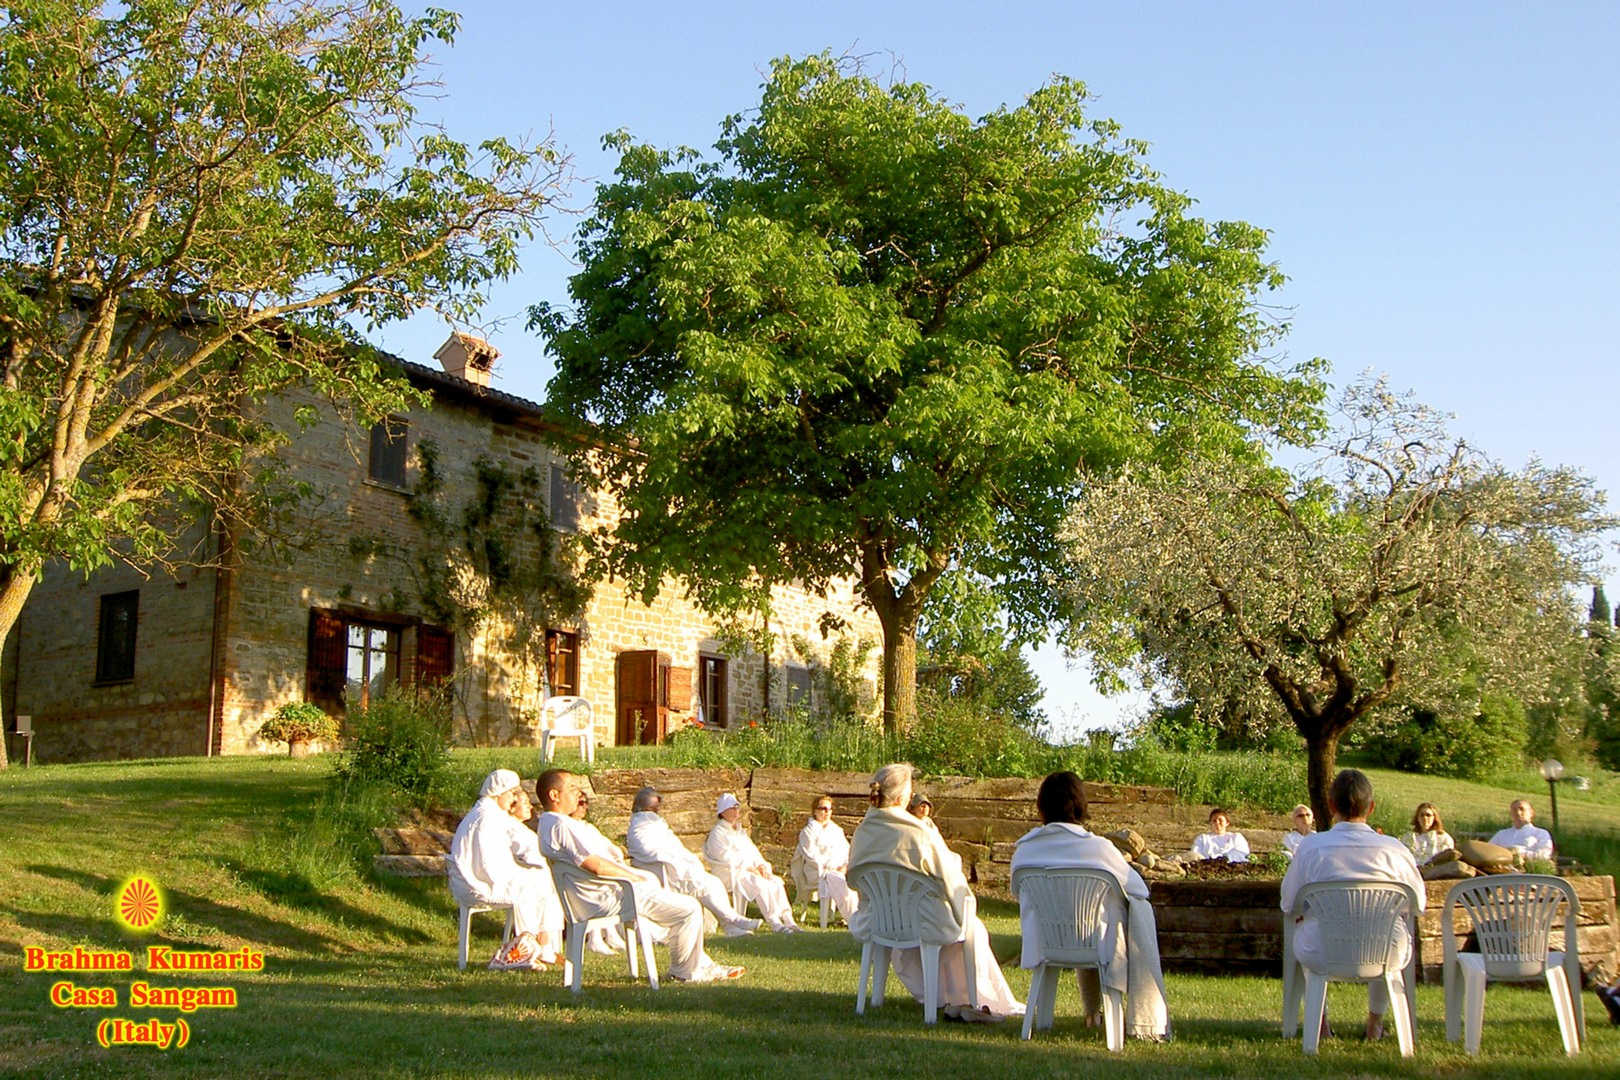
<point x="899" y="624"/>
<point x="13" y="594"/>
<point x="1322" y="755"/>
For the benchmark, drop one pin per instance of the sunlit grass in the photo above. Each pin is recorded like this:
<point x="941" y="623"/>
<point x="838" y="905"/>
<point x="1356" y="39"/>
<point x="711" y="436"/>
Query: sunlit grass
<point x="360" y="974"/>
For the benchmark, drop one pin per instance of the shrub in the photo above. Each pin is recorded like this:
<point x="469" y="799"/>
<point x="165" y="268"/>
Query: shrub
<point x="401" y="740"/>
<point x="1454" y="742"/>
<point x="299" y="721"/>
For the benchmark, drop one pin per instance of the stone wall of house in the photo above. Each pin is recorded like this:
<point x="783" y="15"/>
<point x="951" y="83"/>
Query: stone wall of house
<point x="162" y="711"/>
<point x="358" y="550"/>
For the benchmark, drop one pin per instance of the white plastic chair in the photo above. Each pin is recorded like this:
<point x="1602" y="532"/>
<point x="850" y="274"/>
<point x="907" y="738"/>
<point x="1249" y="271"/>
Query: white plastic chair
<point x="567" y="717"/>
<point x="727" y="873"/>
<point x="1355" y="920"/>
<point x="1513" y="916"/>
<point x="464" y="927"/>
<point x="893" y="898"/>
<point x="1074" y="908"/>
<point x="807" y="886"/>
<point x="576" y="925"/>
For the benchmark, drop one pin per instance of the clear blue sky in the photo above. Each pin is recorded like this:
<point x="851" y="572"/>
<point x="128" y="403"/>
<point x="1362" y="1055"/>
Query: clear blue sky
<point x="1442" y="184"/>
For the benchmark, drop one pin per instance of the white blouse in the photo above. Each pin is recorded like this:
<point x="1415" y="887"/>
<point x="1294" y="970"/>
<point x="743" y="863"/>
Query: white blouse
<point x="1426" y="845"/>
<point x="1229" y="846"/>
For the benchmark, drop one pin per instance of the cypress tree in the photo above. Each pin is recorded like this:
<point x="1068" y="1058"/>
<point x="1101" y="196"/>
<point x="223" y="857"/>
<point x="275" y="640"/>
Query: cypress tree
<point x="1600" y="612"/>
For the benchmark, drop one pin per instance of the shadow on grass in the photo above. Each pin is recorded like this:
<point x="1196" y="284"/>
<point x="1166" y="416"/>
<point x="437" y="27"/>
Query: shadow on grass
<point x="194" y="908"/>
<point x="297" y="891"/>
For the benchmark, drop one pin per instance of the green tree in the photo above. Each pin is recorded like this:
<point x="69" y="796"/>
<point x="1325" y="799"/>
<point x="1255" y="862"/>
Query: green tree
<point x="200" y="200"/>
<point x="877" y="337"/>
<point x="1599" y="613"/>
<point x="966" y="652"/>
<point x="1344" y="587"/>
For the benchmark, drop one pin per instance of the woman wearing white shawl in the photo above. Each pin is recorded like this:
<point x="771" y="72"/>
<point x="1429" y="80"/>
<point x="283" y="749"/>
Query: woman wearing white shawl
<point x="495" y="859"/>
<point x="821" y="858"/>
<point x="889" y="834"/>
<point x="1062" y="842"/>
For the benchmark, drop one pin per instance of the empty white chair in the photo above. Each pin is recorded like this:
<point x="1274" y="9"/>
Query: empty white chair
<point x="893" y="899"/>
<point x="1075" y="908"/>
<point x="1513" y="917"/>
<point x="464" y="927"/>
<point x="576" y="925"/>
<point x="1355" y="919"/>
<point x="567" y="717"/>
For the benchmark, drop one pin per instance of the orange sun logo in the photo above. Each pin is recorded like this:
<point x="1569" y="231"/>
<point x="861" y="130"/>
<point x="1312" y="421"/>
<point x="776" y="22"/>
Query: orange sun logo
<point x="139" y="904"/>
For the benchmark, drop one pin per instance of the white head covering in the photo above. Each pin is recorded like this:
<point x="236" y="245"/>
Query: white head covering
<point x="727" y="801"/>
<point x="499" y="782"/>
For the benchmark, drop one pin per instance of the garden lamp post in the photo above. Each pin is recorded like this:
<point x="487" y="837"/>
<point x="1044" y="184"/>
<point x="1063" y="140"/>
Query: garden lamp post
<point x="1552" y="771"/>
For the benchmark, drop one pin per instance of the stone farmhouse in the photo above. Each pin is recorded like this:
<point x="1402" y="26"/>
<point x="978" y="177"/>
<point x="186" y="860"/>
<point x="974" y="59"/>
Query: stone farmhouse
<point x="380" y="593"/>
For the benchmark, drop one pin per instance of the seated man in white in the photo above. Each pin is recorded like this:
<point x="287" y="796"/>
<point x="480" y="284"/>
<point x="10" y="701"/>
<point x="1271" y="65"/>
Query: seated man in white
<point x="1351" y="851"/>
<point x="651" y="840"/>
<point x="1220" y="842"/>
<point x="730" y="851"/>
<point x="821" y="857"/>
<point x="1063" y="842"/>
<point x="1304" y="819"/>
<point x="580" y="843"/>
<point x="888" y="834"/>
<point x="495" y="859"/>
<point x="1524" y="835"/>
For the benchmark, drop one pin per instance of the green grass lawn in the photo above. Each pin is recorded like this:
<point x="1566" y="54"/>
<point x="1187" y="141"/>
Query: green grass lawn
<point x="360" y="975"/>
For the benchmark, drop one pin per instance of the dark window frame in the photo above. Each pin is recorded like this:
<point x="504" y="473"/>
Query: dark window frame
<point x="115" y="659"/>
<point x="714" y="691"/>
<point x="565" y="499"/>
<point x="390" y="451"/>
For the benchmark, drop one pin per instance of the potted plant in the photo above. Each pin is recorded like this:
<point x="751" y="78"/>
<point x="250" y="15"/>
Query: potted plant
<point x="299" y="725"/>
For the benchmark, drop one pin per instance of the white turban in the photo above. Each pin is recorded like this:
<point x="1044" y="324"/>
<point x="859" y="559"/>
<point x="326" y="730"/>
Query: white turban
<point x="499" y="782"/>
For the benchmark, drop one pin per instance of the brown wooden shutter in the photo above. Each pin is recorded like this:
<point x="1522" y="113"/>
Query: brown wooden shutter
<point x="435" y="655"/>
<point x="327" y="665"/>
<point x="680" y="689"/>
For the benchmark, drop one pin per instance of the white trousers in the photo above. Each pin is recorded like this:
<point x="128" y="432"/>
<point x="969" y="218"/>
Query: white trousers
<point x="990" y="983"/>
<point x="769" y="893"/>
<point x="535" y="907"/>
<point x="709" y="891"/>
<point x="838" y="893"/>
<point x="681" y="919"/>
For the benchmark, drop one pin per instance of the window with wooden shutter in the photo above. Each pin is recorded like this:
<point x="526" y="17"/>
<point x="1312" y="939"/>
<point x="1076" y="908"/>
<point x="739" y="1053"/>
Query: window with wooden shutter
<point x="562" y="662"/>
<point x="712" y="690"/>
<point x="115" y="637"/>
<point x="435" y="656"/>
<point x="680" y="689"/>
<point x="327" y="666"/>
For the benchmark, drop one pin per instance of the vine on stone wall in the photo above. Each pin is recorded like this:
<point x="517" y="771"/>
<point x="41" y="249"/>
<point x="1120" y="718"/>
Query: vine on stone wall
<point x="494" y="563"/>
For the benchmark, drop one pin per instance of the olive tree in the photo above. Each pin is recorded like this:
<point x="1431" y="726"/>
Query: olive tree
<point x="1330" y="589"/>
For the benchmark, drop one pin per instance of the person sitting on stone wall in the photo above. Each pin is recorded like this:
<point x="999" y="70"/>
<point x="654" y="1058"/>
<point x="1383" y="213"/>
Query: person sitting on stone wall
<point x="889" y="835"/>
<point x="732" y="853"/>
<point x="581" y="844"/>
<point x="821" y="857"/>
<point x="1304" y="819"/>
<point x="1524" y="836"/>
<point x="495" y="859"/>
<point x="1429" y="839"/>
<point x="651" y="840"/>
<point x="1220" y="842"/>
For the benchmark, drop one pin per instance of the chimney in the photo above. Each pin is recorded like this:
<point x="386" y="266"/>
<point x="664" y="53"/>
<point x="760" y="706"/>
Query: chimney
<point x="467" y="357"/>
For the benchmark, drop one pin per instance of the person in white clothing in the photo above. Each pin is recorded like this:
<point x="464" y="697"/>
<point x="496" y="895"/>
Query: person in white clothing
<point x="1304" y="825"/>
<point x="651" y="840"/>
<point x="821" y="857"/>
<point x="1428" y="837"/>
<point x="1133" y="967"/>
<point x="1220" y="842"/>
<point x="1524" y="835"/>
<point x="495" y="859"/>
<point x="730" y="851"/>
<point x="1351" y="851"/>
<point x="582" y="844"/>
<point x="889" y="835"/>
